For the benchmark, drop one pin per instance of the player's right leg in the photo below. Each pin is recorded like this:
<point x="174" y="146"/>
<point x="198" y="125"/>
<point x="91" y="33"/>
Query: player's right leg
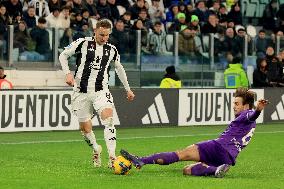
<point x="83" y="109"/>
<point x="190" y="153"/>
<point x="222" y="170"/>
<point x="215" y="159"/>
<point x="90" y="138"/>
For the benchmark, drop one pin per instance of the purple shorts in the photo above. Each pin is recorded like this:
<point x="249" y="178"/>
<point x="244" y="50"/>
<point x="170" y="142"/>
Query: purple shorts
<point x="213" y="154"/>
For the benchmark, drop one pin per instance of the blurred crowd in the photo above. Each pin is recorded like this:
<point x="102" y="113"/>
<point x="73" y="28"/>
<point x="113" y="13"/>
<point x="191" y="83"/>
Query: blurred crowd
<point x="156" y="19"/>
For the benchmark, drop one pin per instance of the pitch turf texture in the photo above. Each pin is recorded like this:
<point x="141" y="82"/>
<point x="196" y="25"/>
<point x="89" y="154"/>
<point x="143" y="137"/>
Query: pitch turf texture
<point x="62" y="160"/>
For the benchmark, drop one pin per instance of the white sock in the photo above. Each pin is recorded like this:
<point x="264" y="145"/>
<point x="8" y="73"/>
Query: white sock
<point x="110" y="136"/>
<point x="90" y="138"/>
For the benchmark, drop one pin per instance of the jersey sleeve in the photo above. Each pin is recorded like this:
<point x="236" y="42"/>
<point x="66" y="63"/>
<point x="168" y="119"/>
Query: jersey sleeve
<point x="120" y="70"/>
<point x="70" y="50"/>
<point x="253" y="115"/>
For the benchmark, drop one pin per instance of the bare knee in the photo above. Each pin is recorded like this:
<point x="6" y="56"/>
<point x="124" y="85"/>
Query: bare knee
<point x="190" y="153"/>
<point x="106" y="113"/>
<point x="86" y="127"/>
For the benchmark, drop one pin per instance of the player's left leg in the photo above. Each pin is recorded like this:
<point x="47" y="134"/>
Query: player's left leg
<point x="164" y="158"/>
<point x="199" y="169"/>
<point x="109" y="133"/>
<point x="82" y="107"/>
<point x="190" y="153"/>
<point x="202" y="169"/>
<point x="103" y="104"/>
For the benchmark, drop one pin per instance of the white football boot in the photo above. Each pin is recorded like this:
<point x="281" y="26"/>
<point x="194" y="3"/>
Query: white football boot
<point x="97" y="162"/>
<point x="110" y="162"/>
<point x="222" y="170"/>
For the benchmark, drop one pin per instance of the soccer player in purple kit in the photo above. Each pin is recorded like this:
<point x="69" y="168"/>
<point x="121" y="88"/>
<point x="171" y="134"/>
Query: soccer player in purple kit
<point x="214" y="157"/>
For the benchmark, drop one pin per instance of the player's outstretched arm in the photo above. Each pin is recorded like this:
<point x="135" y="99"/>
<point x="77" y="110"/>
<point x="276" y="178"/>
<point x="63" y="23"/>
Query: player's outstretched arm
<point x="123" y="78"/>
<point x="261" y="103"/>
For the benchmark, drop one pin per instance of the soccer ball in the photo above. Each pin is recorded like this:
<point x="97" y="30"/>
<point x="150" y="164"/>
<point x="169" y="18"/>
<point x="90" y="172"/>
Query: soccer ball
<point x="121" y="166"/>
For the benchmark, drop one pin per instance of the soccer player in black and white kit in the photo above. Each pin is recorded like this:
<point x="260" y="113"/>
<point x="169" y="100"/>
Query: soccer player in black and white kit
<point x="90" y="85"/>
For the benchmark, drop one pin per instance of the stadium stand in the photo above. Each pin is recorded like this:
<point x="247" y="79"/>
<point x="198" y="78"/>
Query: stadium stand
<point x="212" y="60"/>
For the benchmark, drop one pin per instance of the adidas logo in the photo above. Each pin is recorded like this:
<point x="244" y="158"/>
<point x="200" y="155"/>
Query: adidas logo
<point x="278" y="114"/>
<point x="156" y="112"/>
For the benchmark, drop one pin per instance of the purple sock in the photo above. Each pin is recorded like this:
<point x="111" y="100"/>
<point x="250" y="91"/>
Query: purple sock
<point x="202" y="170"/>
<point x="166" y="157"/>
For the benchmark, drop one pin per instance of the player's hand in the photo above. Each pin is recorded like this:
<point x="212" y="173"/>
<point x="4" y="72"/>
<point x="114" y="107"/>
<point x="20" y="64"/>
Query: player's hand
<point x="261" y="104"/>
<point x="69" y="79"/>
<point x="130" y="95"/>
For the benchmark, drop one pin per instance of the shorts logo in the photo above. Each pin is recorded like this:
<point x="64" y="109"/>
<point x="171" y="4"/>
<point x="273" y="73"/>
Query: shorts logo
<point x="111" y="130"/>
<point x="108" y="97"/>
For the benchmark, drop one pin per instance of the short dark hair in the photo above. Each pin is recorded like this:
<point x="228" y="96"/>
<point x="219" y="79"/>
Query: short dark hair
<point x="237" y="60"/>
<point x="170" y="69"/>
<point x="157" y="23"/>
<point x="246" y="95"/>
<point x="84" y="10"/>
<point x="56" y="9"/>
<point x="119" y="21"/>
<point x="41" y="20"/>
<point x="1" y="68"/>
<point x="103" y="23"/>
<point x="29" y="7"/>
<point x="127" y="13"/>
<point x="191" y="27"/>
<point x="143" y="10"/>
<point x="261" y="31"/>
<point x="66" y="7"/>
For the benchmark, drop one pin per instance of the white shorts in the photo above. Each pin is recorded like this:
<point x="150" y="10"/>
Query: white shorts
<point x="84" y="105"/>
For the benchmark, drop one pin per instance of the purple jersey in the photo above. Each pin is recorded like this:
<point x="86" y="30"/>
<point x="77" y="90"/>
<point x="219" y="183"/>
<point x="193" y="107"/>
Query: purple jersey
<point x="239" y="132"/>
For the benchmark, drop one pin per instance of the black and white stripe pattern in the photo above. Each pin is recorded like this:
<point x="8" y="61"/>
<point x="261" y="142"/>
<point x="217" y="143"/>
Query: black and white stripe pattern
<point x="92" y="63"/>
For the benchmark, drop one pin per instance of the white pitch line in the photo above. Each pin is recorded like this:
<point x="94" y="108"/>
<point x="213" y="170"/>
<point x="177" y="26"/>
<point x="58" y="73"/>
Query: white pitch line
<point x="128" y="138"/>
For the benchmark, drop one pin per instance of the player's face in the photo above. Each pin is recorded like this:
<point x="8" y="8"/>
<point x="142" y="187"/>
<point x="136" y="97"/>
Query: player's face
<point x="2" y="10"/>
<point x="102" y="35"/>
<point x="239" y="106"/>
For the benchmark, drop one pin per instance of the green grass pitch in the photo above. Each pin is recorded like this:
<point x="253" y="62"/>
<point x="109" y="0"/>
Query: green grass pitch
<point x="48" y="160"/>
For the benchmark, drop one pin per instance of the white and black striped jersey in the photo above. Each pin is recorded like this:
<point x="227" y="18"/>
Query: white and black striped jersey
<point x="92" y="60"/>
